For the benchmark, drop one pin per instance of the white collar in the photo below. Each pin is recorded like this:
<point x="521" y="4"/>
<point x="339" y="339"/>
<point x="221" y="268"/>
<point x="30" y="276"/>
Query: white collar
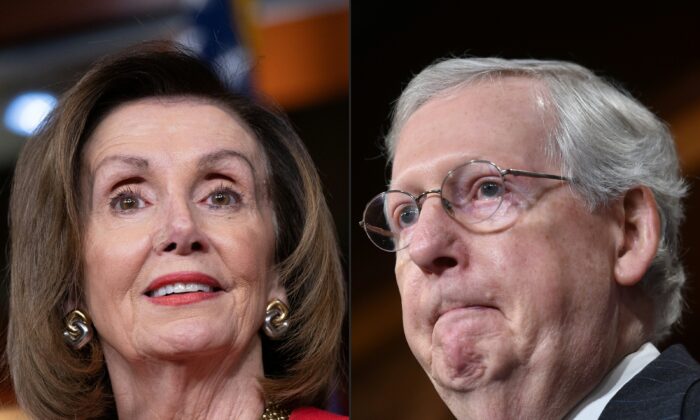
<point x="592" y="406"/>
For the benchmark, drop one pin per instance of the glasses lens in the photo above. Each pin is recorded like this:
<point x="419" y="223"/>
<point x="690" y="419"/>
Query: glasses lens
<point x="386" y="218"/>
<point x="475" y="192"/>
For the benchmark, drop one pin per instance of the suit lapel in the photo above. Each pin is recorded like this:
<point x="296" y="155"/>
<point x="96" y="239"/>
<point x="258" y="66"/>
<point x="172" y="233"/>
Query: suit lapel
<point x="658" y="391"/>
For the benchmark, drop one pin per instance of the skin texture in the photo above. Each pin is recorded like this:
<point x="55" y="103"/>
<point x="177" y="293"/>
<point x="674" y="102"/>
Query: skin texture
<point x="522" y="322"/>
<point x="151" y="173"/>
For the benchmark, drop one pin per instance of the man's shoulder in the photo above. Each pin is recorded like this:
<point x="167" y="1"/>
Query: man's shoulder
<point x="669" y="387"/>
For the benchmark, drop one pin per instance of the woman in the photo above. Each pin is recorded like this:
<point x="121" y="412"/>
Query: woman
<point x="172" y="253"/>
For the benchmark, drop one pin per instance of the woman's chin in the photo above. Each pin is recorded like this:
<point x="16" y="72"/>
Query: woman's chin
<point x="186" y="339"/>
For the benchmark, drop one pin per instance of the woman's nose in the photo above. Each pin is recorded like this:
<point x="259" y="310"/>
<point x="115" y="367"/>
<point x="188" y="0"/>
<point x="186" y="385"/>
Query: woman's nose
<point x="180" y="232"/>
<point x="435" y="245"/>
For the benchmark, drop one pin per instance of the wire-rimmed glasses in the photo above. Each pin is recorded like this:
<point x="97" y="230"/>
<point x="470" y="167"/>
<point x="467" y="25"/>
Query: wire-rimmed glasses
<point x="475" y="194"/>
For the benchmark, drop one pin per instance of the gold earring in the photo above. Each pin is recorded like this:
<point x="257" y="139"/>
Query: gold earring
<point x="78" y="330"/>
<point x="276" y="323"/>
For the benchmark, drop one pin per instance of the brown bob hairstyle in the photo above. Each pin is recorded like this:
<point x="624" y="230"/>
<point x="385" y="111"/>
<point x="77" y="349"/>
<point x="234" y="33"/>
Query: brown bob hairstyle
<point x="53" y="381"/>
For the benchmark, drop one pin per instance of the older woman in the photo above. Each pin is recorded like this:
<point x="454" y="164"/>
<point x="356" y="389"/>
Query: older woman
<point x="172" y="253"/>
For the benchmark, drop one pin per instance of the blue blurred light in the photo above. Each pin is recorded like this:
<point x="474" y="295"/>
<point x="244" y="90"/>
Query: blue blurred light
<point x="27" y="111"/>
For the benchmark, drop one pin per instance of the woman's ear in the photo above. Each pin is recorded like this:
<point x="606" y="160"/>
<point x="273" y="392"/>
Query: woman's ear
<point x="641" y="235"/>
<point x="275" y="289"/>
<point x="73" y="301"/>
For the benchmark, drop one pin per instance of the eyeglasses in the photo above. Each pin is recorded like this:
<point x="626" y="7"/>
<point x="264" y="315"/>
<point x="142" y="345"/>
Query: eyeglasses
<point x="475" y="194"/>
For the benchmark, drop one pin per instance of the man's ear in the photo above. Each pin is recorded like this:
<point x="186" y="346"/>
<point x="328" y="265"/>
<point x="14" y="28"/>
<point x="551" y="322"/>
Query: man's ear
<point x="641" y="235"/>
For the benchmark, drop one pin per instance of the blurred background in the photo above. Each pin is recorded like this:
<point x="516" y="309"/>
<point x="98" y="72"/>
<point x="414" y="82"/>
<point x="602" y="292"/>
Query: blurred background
<point x="294" y="53"/>
<point x="656" y="58"/>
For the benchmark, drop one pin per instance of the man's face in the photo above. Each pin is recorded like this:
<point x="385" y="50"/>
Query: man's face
<point x="523" y="317"/>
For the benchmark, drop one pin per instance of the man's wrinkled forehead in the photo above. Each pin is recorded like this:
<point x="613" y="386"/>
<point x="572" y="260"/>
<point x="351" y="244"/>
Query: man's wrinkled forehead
<point x="539" y="97"/>
<point x="505" y="120"/>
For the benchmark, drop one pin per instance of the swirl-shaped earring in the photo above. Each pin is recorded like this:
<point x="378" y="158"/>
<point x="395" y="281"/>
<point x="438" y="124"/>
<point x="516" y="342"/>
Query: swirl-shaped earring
<point x="78" y="330"/>
<point x="276" y="322"/>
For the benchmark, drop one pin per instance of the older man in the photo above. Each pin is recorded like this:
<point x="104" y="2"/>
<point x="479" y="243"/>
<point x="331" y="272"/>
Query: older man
<point x="534" y="212"/>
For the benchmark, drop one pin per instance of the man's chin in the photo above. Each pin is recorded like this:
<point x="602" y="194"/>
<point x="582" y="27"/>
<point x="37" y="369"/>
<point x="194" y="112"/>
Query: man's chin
<point x="458" y="370"/>
<point x="460" y="341"/>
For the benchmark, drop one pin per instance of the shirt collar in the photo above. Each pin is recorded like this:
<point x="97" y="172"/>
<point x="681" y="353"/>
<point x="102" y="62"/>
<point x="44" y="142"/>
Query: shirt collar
<point x="592" y="406"/>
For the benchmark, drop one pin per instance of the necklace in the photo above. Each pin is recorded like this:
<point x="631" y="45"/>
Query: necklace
<point x="274" y="412"/>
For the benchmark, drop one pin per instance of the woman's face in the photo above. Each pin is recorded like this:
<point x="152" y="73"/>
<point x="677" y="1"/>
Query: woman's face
<point x="179" y="240"/>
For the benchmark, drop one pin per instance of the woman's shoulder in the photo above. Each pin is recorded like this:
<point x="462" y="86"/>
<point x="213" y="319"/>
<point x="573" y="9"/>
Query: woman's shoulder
<point x="311" y="413"/>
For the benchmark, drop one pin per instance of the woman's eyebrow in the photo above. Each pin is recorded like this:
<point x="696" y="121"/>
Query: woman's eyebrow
<point x="135" y="161"/>
<point x="212" y="159"/>
<point x="205" y="162"/>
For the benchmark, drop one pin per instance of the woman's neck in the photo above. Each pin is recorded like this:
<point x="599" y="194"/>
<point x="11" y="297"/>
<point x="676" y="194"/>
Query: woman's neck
<point x="211" y="386"/>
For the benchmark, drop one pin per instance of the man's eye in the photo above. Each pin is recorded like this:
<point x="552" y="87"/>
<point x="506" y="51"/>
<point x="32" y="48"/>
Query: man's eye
<point x="489" y="190"/>
<point x="407" y="216"/>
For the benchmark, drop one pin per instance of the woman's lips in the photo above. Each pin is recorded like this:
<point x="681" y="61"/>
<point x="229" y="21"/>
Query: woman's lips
<point x="182" y="288"/>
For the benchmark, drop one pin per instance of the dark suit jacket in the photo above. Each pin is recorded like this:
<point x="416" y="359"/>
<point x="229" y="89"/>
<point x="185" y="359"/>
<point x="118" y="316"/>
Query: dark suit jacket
<point x="667" y="388"/>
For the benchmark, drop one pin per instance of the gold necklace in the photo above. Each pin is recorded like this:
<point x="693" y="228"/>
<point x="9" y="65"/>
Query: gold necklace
<point x="274" y="412"/>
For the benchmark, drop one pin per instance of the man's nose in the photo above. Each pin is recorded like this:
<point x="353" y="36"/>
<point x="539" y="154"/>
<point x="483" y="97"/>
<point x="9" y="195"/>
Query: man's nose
<point x="179" y="231"/>
<point x="434" y="244"/>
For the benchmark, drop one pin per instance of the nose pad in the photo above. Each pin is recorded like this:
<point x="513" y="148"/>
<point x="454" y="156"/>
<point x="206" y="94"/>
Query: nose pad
<point x="435" y="245"/>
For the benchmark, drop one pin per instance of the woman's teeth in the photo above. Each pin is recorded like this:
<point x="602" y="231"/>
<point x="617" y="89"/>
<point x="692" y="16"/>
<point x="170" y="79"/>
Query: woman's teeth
<point x="180" y="288"/>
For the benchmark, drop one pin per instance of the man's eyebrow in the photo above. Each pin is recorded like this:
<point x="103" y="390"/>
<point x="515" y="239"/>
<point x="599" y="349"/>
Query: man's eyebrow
<point x="214" y="158"/>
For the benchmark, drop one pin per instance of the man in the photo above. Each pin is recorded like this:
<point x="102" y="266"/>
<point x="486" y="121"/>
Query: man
<point x="534" y="211"/>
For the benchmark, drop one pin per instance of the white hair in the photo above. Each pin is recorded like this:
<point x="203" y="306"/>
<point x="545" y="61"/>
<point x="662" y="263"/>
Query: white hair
<point x="604" y="139"/>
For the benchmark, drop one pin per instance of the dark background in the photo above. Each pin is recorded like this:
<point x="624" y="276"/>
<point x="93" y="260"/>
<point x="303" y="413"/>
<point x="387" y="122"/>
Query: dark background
<point x="655" y="57"/>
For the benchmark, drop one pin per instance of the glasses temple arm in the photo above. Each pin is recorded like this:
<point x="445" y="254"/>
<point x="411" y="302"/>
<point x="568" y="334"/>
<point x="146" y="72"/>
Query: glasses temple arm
<point x="375" y="229"/>
<point x="518" y="172"/>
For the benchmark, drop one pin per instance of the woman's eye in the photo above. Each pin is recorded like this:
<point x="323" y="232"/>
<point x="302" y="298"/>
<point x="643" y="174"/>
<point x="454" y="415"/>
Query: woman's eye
<point x="223" y="198"/>
<point x="126" y="201"/>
